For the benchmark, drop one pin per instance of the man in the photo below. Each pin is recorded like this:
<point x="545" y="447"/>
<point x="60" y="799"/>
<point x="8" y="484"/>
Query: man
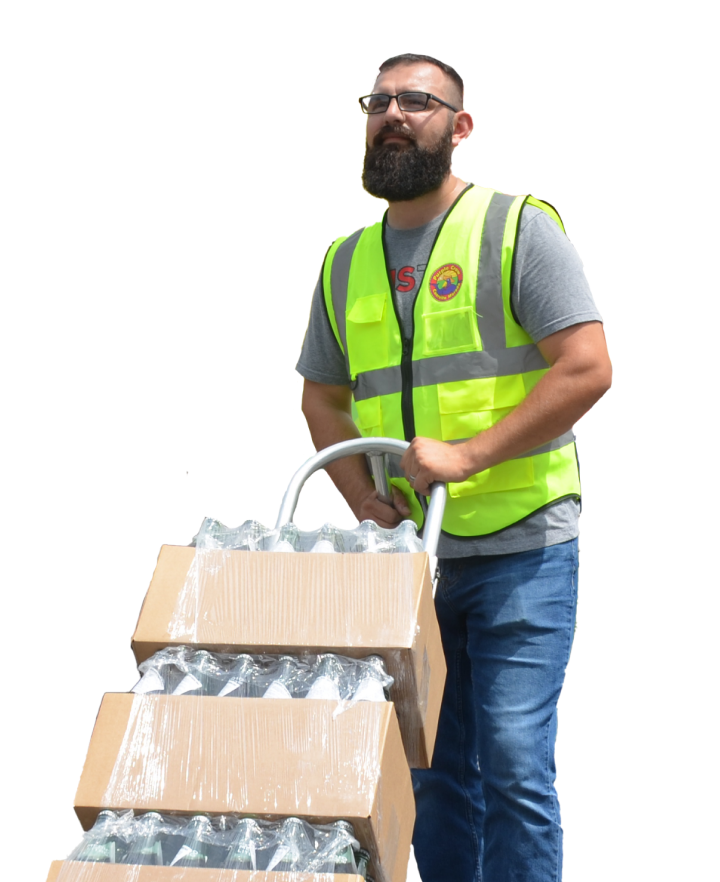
<point x="464" y="324"/>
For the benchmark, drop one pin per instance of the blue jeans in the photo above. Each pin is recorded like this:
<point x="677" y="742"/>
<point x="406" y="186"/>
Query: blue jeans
<point x="487" y="810"/>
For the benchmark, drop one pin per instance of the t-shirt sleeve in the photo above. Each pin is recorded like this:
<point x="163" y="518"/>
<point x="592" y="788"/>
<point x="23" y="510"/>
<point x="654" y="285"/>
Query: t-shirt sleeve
<point x="550" y="291"/>
<point x="321" y="358"/>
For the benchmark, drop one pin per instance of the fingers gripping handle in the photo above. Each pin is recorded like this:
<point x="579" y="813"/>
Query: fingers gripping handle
<point x="374" y="448"/>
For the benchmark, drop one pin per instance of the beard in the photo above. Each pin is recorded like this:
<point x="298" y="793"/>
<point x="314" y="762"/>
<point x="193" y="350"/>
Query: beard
<point x="400" y="172"/>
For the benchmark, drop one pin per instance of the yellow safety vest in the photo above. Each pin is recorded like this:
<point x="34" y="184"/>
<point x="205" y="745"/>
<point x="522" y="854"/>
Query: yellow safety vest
<point x="468" y="364"/>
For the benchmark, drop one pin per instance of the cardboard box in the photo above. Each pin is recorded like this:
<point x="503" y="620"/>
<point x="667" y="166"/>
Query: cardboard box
<point x="53" y="871"/>
<point x="270" y="758"/>
<point x="352" y="604"/>
<point x="75" y="871"/>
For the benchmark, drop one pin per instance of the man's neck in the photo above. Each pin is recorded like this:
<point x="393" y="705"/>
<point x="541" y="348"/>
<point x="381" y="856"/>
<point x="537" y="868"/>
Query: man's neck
<point x="416" y="212"/>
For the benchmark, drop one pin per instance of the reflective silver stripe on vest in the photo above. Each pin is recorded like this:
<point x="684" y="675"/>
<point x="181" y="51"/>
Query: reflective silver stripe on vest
<point x="489" y="301"/>
<point x="562" y="441"/>
<point x="383" y="381"/>
<point x="555" y="444"/>
<point x="478" y="365"/>
<point x="339" y="283"/>
<point x="393" y="461"/>
<point x="452" y="368"/>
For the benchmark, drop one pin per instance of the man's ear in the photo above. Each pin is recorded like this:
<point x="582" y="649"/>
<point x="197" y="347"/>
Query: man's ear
<point x="462" y="127"/>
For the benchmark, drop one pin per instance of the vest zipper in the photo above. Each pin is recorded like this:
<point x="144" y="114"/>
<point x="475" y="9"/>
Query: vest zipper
<point x="408" y="413"/>
<point x="406" y="371"/>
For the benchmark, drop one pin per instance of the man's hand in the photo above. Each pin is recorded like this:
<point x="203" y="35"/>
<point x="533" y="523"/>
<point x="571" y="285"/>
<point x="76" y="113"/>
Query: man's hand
<point x="426" y="461"/>
<point x="383" y="514"/>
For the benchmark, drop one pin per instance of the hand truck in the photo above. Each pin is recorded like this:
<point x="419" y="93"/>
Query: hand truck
<point x="376" y="449"/>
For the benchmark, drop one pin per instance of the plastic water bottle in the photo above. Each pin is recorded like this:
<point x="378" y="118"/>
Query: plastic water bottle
<point x="288" y="538"/>
<point x="362" y="861"/>
<point x="198" y="838"/>
<point x="282" y="685"/>
<point x="329" y="540"/>
<point x="244" y="846"/>
<point x="151" y="682"/>
<point x="336" y="855"/>
<point x="223" y="829"/>
<point x="406" y="537"/>
<point x="162" y="672"/>
<point x="323" y="546"/>
<point x="102" y="844"/>
<point x="369" y="538"/>
<point x="373" y="681"/>
<point x="205" y="536"/>
<point x="293" y="848"/>
<point x="238" y="680"/>
<point x="146" y="846"/>
<point x="252" y="536"/>
<point x="283" y="545"/>
<point x="306" y="539"/>
<point x="327" y="683"/>
<point x="202" y="670"/>
<point x="213" y="534"/>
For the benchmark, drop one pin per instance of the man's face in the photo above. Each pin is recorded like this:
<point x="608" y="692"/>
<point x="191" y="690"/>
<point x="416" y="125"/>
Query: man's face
<point x="410" y="154"/>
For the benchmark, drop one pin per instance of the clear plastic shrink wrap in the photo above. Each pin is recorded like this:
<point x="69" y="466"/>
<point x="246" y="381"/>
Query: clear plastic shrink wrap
<point x="191" y="755"/>
<point x="210" y="592"/>
<point x="76" y="871"/>
<point x="274" y="594"/>
<point x="367" y="537"/>
<point x="257" y="603"/>
<point x="214" y="574"/>
<point x="182" y="670"/>
<point x="226" y="842"/>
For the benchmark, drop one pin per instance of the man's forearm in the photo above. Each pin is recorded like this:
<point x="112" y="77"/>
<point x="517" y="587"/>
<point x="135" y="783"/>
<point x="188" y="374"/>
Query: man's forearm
<point x="581" y="373"/>
<point x="550" y="410"/>
<point x="350" y="475"/>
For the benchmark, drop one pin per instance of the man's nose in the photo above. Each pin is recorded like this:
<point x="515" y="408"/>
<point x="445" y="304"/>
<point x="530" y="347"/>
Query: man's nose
<point x="393" y="111"/>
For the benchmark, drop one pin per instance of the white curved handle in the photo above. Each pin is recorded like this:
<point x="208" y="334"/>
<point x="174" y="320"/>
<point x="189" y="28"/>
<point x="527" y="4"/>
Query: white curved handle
<point x="371" y="446"/>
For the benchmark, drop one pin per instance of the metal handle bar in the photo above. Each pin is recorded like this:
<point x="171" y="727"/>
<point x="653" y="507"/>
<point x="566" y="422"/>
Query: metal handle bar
<point x="374" y="447"/>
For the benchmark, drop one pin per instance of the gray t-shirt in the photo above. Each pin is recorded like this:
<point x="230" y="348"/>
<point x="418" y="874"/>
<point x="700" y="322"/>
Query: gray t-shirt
<point x="550" y="292"/>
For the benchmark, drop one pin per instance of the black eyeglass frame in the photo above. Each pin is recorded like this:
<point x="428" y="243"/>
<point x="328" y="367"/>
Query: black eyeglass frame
<point x="397" y="97"/>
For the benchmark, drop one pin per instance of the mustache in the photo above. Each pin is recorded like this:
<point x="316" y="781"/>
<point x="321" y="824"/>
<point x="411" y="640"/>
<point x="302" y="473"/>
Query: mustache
<point x="390" y="129"/>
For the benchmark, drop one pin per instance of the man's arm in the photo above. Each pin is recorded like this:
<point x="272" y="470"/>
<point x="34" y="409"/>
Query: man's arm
<point x="580" y="374"/>
<point x="327" y="411"/>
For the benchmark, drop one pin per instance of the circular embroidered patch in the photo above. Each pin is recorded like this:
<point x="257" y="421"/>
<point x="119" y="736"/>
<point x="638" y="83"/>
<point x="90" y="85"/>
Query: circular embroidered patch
<point x="445" y="282"/>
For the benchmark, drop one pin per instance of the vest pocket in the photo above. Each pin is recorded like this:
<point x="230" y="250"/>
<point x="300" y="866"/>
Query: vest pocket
<point x="467" y="407"/>
<point x="367" y="333"/>
<point x="471" y="406"/>
<point x="451" y="330"/>
<point x="511" y="475"/>
<point x="369" y="417"/>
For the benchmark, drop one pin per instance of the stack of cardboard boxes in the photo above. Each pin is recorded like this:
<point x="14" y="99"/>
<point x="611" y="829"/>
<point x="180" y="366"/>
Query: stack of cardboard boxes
<point x="315" y="759"/>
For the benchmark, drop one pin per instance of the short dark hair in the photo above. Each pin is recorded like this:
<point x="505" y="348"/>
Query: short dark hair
<point x="411" y="58"/>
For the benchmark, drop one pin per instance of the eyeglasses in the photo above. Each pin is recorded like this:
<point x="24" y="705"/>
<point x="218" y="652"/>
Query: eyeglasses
<point x="408" y="102"/>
